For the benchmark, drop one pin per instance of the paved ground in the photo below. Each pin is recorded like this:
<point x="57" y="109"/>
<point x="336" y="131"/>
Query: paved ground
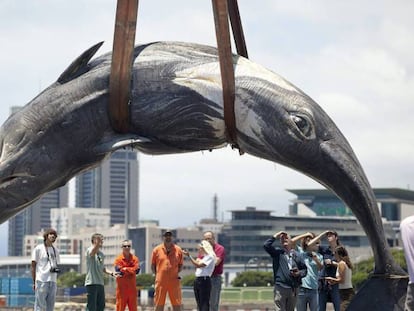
<point x="76" y="306"/>
<point x="233" y="307"/>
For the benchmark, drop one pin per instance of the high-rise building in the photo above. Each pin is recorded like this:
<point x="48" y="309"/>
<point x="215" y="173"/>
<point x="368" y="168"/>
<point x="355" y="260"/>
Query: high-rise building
<point x="112" y="185"/>
<point x="34" y="218"/>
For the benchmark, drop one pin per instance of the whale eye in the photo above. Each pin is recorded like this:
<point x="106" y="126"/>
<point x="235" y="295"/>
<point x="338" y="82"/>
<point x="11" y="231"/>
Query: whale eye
<point x="303" y="125"/>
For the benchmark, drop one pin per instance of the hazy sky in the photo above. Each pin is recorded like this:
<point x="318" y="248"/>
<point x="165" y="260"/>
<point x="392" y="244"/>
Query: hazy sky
<point x="354" y="58"/>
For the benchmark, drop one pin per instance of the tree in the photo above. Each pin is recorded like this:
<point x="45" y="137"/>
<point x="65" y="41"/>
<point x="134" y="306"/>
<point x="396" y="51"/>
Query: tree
<point x="364" y="268"/>
<point x="188" y="280"/>
<point x="145" y="280"/>
<point x="71" y="279"/>
<point x="253" y="278"/>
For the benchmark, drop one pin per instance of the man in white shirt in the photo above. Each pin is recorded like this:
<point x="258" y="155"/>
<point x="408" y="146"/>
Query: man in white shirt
<point x="407" y="236"/>
<point x="45" y="267"/>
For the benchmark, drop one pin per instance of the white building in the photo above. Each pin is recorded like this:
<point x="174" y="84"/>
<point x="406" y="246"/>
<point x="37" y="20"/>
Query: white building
<point x="69" y="221"/>
<point x="66" y="245"/>
<point x="113" y="236"/>
<point x="211" y="225"/>
<point x="20" y="266"/>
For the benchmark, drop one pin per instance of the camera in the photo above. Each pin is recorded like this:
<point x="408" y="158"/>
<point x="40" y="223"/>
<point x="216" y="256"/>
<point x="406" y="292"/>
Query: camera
<point x="55" y="270"/>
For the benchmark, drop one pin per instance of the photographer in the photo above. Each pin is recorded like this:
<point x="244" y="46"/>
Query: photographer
<point x="45" y="267"/>
<point x="288" y="270"/>
<point x="328" y="292"/>
<point x="308" y="291"/>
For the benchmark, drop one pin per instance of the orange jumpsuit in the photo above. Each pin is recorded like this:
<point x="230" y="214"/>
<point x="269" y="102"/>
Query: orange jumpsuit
<point x="126" y="287"/>
<point x="167" y="280"/>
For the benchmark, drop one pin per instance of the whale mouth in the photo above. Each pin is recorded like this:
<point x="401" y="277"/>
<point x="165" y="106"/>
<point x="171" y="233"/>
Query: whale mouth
<point x="10" y="180"/>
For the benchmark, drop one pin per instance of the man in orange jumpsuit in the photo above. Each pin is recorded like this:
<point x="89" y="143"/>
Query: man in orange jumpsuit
<point x="166" y="264"/>
<point x="126" y="267"/>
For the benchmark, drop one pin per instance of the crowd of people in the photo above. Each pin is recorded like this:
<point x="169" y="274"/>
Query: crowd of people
<point x="308" y="275"/>
<point x="166" y="264"/>
<point x="167" y="261"/>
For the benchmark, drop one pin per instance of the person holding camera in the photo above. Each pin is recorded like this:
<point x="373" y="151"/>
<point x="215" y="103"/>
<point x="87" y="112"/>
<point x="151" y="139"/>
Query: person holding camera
<point x="127" y="266"/>
<point x="328" y="292"/>
<point x="94" y="279"/>
<point x="288" y="270"/>
<point x="45" y="268"/>
<point x="308" y="292"/>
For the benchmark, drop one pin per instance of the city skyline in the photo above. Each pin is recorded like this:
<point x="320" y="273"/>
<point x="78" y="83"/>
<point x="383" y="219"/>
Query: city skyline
<point x="34" y="219"/>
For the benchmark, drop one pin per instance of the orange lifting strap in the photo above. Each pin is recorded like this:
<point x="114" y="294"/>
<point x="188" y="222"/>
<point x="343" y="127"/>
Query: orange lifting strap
<point x="123" y="48"/>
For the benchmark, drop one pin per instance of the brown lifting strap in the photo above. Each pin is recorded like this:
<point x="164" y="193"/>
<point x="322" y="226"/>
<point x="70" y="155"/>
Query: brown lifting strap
<point x="123" y="48"/>
<point x="121" y="66"/>
<point x="236" y="26"/>
<point x="221" y="20"/>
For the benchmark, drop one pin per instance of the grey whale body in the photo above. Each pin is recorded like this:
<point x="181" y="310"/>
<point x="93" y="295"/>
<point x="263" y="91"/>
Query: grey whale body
<point x="176" y="106"/>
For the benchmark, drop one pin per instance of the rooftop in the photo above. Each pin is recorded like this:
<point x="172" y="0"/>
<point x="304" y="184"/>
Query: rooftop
<point x="403" y="194"/>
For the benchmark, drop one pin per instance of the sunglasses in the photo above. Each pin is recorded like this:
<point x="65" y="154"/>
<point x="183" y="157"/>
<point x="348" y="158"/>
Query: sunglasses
<point x="126" y="246"/>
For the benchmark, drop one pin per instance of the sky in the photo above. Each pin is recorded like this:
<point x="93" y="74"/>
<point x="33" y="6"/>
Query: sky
<point x="353" y="58"/>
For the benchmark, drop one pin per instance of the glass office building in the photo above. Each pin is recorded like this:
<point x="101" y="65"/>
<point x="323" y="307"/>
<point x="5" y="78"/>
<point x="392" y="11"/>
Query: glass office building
<point x="112" y="185"/>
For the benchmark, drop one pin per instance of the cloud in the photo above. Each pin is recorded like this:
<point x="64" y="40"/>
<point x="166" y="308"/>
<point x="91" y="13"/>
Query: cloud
<point x="351" y="57"/>
<point x="188" y="182"/>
